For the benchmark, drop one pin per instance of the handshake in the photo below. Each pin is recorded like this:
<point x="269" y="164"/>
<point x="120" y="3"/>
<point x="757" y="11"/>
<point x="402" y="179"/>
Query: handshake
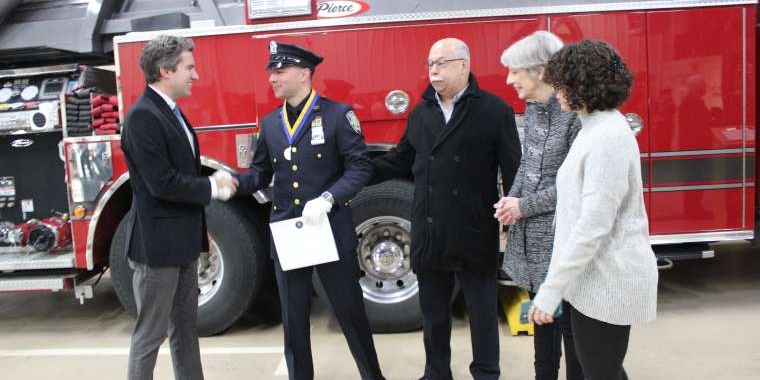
<point x="226" y="185"/>
<point x="314" y="210"/>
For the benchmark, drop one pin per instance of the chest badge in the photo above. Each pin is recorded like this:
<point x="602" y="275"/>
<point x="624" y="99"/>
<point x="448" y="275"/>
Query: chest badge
<point x="317" y="132"/>
<point x="286" y="153"/>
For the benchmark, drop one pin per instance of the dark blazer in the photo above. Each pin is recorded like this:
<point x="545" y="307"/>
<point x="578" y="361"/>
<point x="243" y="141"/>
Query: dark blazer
<point x="341" y="166"/>
<point x="168" y="226"/>
<point x="454" y="167"/>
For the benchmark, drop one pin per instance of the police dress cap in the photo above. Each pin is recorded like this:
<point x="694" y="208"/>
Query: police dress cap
<point x="283" y="55"/>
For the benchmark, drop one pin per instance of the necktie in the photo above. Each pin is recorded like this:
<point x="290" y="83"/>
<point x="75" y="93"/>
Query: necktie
<point x="187" y="131"/>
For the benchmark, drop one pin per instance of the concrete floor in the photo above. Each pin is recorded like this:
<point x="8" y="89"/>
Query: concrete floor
<point x="708" y="328"/>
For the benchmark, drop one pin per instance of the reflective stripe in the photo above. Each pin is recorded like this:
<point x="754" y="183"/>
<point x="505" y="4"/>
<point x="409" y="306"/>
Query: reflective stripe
<point x="702" y="169"/>
<point x="697" y="152"/>
<point x="700" y="187"/>
<point x="701" y="237"/>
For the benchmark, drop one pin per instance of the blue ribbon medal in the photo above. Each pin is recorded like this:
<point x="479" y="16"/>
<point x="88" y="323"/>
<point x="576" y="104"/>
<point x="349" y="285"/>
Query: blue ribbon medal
<point x="291" y="131"/>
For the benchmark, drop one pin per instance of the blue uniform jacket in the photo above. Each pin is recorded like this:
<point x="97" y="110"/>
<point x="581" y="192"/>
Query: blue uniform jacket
<point x="340" y="165"/>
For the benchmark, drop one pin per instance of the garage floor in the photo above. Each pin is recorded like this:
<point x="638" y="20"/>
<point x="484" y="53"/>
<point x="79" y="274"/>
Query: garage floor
<point x="708" y="328"/>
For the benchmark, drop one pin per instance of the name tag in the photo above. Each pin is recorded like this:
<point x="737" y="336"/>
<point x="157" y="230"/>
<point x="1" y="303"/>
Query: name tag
<point x="317" y="133"/>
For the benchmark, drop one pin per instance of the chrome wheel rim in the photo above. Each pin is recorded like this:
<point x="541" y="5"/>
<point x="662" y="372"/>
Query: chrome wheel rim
<point x="210" y="272"/>
<point x="385" y="261"/>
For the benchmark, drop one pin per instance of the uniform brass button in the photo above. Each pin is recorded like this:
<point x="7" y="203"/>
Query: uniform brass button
<point x="456" y="159"/>
<point x="274" y="160"/>
<point x="431" y="157"/>
<point x="319" y="155"/>
<point x="274" y="207"/>
<point x="294" y="167"/>
<point x="295" y="184"/>
<point x="297" y="201"/>
<point x="455" y="192"/>
<point x="293" y="150"/>
<point x="429" y="219"/>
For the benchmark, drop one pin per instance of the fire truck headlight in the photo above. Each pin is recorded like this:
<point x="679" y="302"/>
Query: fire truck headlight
<point x="89" y="168"/>
<point x="79" y="211"/>
<point x="397" y="102"/>
<point x="635" y="123"/>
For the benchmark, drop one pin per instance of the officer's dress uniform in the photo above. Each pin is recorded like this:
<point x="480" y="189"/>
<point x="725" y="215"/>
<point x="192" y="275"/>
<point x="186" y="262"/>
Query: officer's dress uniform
<point x="328" y="153"/>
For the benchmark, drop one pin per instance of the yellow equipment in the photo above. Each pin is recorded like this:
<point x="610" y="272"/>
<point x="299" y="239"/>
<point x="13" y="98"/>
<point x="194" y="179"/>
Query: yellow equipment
<point x="515" y="303"/>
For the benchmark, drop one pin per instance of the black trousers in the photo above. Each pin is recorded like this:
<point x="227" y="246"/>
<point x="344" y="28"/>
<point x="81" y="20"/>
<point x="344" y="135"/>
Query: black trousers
<point x="479" y="289"/>
<point x="340" y="280"/>
<point x="600" y="346"/>
<point x="547" y="346"/>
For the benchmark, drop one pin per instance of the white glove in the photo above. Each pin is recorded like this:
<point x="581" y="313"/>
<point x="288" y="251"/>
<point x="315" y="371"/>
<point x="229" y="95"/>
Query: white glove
<point x="224" y="185"/>
<point x="223" y="193"/>
<point x="221" y="174"/>
<point x="315" y="209"/>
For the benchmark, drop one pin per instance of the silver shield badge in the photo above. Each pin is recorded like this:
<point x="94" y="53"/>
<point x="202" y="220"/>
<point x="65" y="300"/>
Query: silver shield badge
<point x="354" y="121"/>
<point x="272" y="47"/>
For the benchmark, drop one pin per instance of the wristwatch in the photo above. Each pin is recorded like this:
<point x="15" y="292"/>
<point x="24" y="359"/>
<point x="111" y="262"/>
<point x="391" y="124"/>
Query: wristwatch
<point x="329" y="197"/>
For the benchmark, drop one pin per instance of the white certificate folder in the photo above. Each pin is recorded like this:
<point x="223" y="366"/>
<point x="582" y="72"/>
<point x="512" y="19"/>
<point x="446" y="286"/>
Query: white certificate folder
<point x="301" y="245"/>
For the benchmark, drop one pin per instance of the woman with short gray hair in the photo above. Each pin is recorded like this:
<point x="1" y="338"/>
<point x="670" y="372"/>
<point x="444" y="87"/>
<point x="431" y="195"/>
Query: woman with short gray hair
<point x="529" y="206"/>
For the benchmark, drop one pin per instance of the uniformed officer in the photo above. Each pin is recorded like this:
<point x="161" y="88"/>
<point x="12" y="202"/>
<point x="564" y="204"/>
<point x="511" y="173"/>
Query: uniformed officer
<point x="315" y="150"/>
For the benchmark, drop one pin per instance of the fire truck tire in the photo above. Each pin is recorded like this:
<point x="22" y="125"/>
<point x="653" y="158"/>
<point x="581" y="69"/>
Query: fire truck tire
<point x="121" y="273"/>
<point x="381" y="215"/>
<point x="230" y="277"/>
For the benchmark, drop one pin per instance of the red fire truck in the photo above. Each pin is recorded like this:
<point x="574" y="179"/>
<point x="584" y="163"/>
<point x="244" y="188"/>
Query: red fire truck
<point x="692" y="107"/>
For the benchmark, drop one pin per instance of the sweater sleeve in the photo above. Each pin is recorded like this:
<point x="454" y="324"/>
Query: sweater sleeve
<point x="604" y="185"/>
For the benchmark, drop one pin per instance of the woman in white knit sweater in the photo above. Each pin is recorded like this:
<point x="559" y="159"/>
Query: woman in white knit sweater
<point x="602" y="263"/>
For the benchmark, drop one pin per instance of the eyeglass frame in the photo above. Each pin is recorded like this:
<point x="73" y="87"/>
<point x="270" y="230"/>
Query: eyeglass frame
<point x="442" y="63"/>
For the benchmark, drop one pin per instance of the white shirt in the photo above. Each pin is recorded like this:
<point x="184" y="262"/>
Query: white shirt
<point x="448" y="111"/>
<point x="602" y="262"/>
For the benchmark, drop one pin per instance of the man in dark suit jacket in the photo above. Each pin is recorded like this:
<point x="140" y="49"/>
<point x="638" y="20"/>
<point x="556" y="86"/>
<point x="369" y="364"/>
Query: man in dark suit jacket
<point x="456" y="140"/>
<point x="167" y="231"/>
<point x="315" y="150"/>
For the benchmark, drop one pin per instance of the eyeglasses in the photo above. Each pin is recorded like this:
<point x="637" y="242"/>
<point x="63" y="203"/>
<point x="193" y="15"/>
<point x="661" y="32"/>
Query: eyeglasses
<point x="441" y="63"/>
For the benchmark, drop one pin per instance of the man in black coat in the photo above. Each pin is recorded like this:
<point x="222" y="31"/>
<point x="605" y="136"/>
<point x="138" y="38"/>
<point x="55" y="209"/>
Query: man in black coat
<point x="167" y="229"/>
<point x="456" y="140"/>
<point x="315" y="150"/>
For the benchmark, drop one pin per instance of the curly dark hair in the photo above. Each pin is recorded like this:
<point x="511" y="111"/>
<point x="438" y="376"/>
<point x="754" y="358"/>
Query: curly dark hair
<point x="590" y="74"/>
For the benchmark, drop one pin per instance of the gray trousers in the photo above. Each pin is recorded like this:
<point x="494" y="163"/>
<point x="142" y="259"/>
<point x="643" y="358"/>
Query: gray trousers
<point x="167" y="302"/>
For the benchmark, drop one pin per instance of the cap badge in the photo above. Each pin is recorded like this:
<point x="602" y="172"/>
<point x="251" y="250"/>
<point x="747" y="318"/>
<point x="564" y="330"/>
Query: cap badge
<point x="272" y="47"/>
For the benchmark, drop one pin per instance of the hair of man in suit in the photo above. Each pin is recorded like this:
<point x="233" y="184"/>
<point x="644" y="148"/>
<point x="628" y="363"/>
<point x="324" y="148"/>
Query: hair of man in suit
<point x="163" y="51"/>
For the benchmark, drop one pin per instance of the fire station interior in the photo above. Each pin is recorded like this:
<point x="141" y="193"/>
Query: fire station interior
<point x="67" y="312"/>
